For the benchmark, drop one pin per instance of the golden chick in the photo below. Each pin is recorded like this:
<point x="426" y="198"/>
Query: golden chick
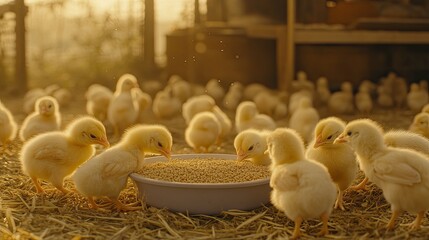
<point x="98" y="99"/>
<point x="31" y="97"/>
<point x="165" y="105"/>
<point x="107" y="173"/>
<point x="145" y="103"/>
<point x="123" y="108"/>
<point x="295" y="99"/>
<point x="252" y="144"/>
<point x="180" y="88"/>
<point x="196" y="105"/>
<point x="302" y="188"/>
<point x="215" y="90"/>
<point x="8" y="126"/>
<point x="233" y="96"/>
<point x="252" y="89"/>
<point x="417" y="98"/>
<point x="63" y="96"/>
<point x="203" y="131"/>
<point x="339" y="159"/>
<point x="55" y="155"/>
<point x="323" y="92"/>
<point x="304" y="119"/>
<point x="45" y="118"/>
<point x="402" y="174"/>
<point x="248" y="116"/>
<point x="420" y="124"/>
<point x="341" y="102"/>
<point x="225" y="124"/>
<point x="426" y="108"/>
<point x="363" y="100"/>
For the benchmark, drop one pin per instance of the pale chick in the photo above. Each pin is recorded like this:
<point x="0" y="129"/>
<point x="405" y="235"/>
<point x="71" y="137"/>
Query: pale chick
<point x="399" y="91"/>
<point x="266" y="102"/>
<point x="252" y="89"/>
<point x="304" y="120"/>
<point x="339" y="159"/>
<point x="426" y="108"/>
<point x="323" y="93"/>
<point x="363" y="100"/>
<point x="225" y="124"/>
<point x="296" y="97"/>
<point x="302" y="188"/>
<point x="145" y="104"/>
<point x="55" y="155"/>
<point x="106" y="174"/>
<point x="401" y="139"/>
<point x="248" y="116"/>
<point x="8" y="126"/>
<point x="302" y="83"/>
<point x="63" y="96"/>
<point x="31" y="97"/>
<point x="402" y="174"/>
<point x="203" y="131"/>
<point x="417" y="98"/>
<point x="215" y="90"/>
<point x="251" y="144"/>
<point x="341" y="102"/>
<point x="98" y="99"/>
<point x="233" y="96"/>
<point x="165" y="105"/>
<point x="45" y="118"/>
<point x="180" y="88"/>
<point x="123" y="108"/>
<point x="384" y="98"/>
<point x="196" y="105"/>
<point x="420" y="124"/>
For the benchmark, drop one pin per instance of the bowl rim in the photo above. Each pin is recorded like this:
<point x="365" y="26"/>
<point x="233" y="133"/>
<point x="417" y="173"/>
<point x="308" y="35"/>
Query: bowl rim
<point x="140" y="178"/>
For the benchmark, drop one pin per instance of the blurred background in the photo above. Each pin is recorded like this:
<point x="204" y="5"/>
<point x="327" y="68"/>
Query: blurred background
<point x="78" y="42"/>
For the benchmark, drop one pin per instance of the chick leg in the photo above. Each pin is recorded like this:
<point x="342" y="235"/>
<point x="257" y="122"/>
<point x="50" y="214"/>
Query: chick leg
<point x="391" y="224"/>
<point x="39" y="188"/>
<point x="361" y="185"/>
<point x="297" y="230"/>
<point x="324" y="230"/>
<point x="92" y="203"/>
<point x="416" y="224"/>
<point x="122" y="207"/>
<point x="339" y="201"/>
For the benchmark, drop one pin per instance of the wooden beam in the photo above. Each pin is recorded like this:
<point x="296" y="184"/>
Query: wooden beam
<point x="20" y="58"/>
<point x="290" y="46"/>
<point x="149" y="65"/>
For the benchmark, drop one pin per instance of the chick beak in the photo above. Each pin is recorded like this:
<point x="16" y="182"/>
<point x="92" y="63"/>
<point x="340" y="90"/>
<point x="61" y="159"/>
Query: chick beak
<point x="318" y="142"/>
<point x="341" y="139"/>
<point x="166" y="153"/>
<point x="241" y="155"/>
<point x="104" y="142"/>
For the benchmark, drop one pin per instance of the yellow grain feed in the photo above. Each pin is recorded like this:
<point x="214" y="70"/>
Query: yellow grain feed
<point x="205" y="171"/>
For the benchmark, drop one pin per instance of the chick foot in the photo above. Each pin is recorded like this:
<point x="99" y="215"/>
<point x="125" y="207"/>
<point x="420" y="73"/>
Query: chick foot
<point x="391" y="224"/>
<point x="417" y="222"/>
<point x="39" y="188"/>
<point x="361" y="185"/>
<point x="324" y="230"/>
<point x="93" y="205"/>
<point x="339" y="202"/>
<point x="297" y="231"/>
<point x="123" y="207"/>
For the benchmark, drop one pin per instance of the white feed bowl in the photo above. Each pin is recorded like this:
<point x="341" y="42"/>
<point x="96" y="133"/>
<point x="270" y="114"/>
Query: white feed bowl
<point x="202" y="198"/>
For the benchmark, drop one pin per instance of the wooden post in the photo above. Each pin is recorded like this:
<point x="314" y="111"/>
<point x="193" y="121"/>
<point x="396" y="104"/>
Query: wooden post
<point x="197" y="14"/>
<point x="20" y="58"/>
<point x="290" y="45"/>
<point x="149" y="65"/>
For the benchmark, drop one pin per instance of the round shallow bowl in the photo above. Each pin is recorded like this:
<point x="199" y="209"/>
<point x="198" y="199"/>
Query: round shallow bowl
<point x="202" y="198"/>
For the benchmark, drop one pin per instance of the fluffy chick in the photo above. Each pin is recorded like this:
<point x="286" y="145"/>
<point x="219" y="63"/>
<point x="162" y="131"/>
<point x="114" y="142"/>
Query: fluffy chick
<point x="233" y="96"/>
<point x="215" y="90"/>
<point x="304" y="119"/>
<point x="123" y="108"/>
<point x="402" y="174"/>
<point x="145" y="103"/>
<point x="426" y="108"/>
<point x="339" y="159"/>
<point x="251" y="90"/>
<point x="252" y="144"/>
<point x="8" y="126"/>
<point x="225" y="124"/>
<point x="45" y="118"/>
<point x="247" y="116"/>
<point x="31" y="97"/>
<point x="55" y="155"/>
<point x="341" y="102"/>
<point x="420" y="124"/>
<point x="108" y="172"/>
<point x="363" y="101"/>
<point x="296" y="97"/>
<point x="98" y="99"/>
<point x="384" y="98"/>
<point x="165" y="105"/>
<point x="302" y="188"/>
<point x="417" y="98"/>
<point x="203" y="131"/>
<point x="63" y="96"/>
<point x="323" y="93"/>
<point x="196" y="105"/>
<point x="180" y="88"/>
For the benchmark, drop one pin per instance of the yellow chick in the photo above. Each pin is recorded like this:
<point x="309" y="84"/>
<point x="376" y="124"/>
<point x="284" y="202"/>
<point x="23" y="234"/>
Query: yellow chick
<point x="339" y="159"/>
<point x="203" y="131"/>
<point x="233" y="96"/>
<point x="304" y="119"/>
<point x="252" y="144"/>
<point x="165" y="105"/>
<point x="98" y="99"/>
<point x="107" y="173"/>
<point x="180" y="88"/>
<point x="247" y="116"/>
<point x="196" y="105"/>
<point x="252" y="89"/>
<point x="55" y="155"/>
<point x="8" y="126"/>
<point x="363" y="101"/>
<point x="402" y="174"/>
<point x="426" y="108"/>
<point x="45" y="118"/>
<point x="31" y="97"/>
<point x="225" y="124"/>
<point x="296" y="97"/>
<point x="302" y="83"/>
<point x="399" y="91"/>
<point x="145" y="103"/>
<point x="323" y="92"/>
<point x="50" y="89"/>
<point x="215" y="90"/>
<point x="341" y="102"/>
<point x="417" y="98"/>
<point x="63" y="96"/>
<point x="420" y="124"/>
<point x="123" y="108"/>
<point x="384" y="98"/>
<point x="302" y="188"/>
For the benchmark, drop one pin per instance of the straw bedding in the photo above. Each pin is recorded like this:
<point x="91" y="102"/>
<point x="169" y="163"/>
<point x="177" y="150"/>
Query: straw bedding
<point x="27" y="215"/>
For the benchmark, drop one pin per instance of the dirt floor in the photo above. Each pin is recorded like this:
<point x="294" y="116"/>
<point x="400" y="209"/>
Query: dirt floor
<point x="27" y="215"/>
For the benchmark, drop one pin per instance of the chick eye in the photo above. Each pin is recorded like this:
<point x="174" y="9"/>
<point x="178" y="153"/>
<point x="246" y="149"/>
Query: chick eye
<point x="49" y="106"/>
<point x="92" y="136"/>
<point x="329" y="137"/>
<point x="250" y="148"/>
<point x="349" y="133"/>
<point x="160" y="144"/>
